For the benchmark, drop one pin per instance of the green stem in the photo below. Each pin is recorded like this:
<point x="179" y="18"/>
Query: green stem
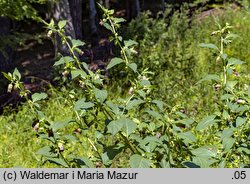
<point x="70" y="49"/>
<point x="224" y="62"/>
<point x="60" y="153"/>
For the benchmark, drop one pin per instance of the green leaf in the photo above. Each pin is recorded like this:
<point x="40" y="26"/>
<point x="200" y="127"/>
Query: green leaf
<point x="77" y="72"/>
<point x="58" y="161"/>
<point x="228" y="143"/>
<point x="114" y="107"/>
<point x="210" y="77"/>
<point x="190" y="164"/>
<point x="110" y="153"/>
<point x="118" y="20"/>
<point x="248" y="91"/>
<point x="134" y="103"/>
<point x="231" y="84"/>
<point x="115" y="61"/>
<point x="59" y="125"/>
<point x="71" y="138"/>
<point x="244" y="150"/>
<point x="234" y="61"/>
<point x="128" y="43"/>
<point x="85" y="66"/>
<point x="142" y="93"/>
<point x="159" y="104"/>
<point x="101" y="95"/>
<point x="187" y="137"/>
<point x="77" y="43"/>
<point x="240" y="121"/>
<point x="62" y="24"/>
<point x="137" y="161"/>
<point x="83" y="162"/>
<point x="17" y="74"/>
<point x="203" y="162"/>
<point x="115" y="126"/>
<point x="133" y="66"/>
<point x="206" y="122"/>
<point x="145" y="82"/>
<point x="107" y="26"/>
<point x="64" y="60"/>
<point x="7" y="76"/>
<point x="46" y="151"/>
<point x="209" y="45"/>
<point x="227" y="133"/>
<point x="155" y="114"/>
<point x="38" y="96"/>
<point x="186" y="122"/>
<point x="128" y="126"/>
<point x="205" y="151"/>
<point x="81" y="104"/>
<point x="224" y="56"/>
<point x="226" y="97"/>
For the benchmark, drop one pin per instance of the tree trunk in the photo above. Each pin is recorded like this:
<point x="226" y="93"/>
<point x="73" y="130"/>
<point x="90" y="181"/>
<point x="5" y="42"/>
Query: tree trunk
<point x="62" y="12"/>
<point x="137" y="7"/>
<point x="133" y="8"/>
<point x="76" y="14"/>
<point x="6" y="53"/>
<point x="92" y="17"/>
<point x="107" y="4"/>
<point x="163" y="5"/>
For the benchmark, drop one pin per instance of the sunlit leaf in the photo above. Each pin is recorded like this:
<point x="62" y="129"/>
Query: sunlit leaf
<point x="228" y="143"/>
<point x="133" y="66"/>
<point x="62" y="24"/>
<point x="240" y="121"/>
<point x="46" y="151"/>
<point x="128" y="126"/>
<point x="205" y="151"/>
<point x="210" y="77"/>
<point x="115" y="126"/>
<point x="17" y="74"/>
<point x="234" y="61"/>
<point x="77" y="72"/>
<point x="129" y="43"/>
<point x="206" y="122"/>
<point x="137" y="161"/>
<point x="81" y="104"/>
<point x="38" y="96"/>
<point x="187" y="137"/>
<point x="209" y="45"/>
<point x="64" y="60"/>
<point x="77" y="43"/>
<point x="134" y="103"/>
<point x="115" y="61"/>
<point x="101" y="95"/>
<point x="58" y="161"/>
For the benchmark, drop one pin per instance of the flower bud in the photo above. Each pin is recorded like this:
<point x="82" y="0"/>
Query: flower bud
<point x="61" y="147"/>
<point x="49" y="34"/>
<point x="10" y="87"/>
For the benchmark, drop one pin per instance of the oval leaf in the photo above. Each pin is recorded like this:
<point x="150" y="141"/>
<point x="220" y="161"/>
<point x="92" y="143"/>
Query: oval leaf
<point x="137" y="161"/>
<point x="206" y="122"/>
<point x="115" y="126"/>
<point x="38" y="96"/>
<point x="62" y="24"/>
<point x="209" y="45"/>
<point x="128" y="126"/>
<point x="101" y="95"/>
<point x="114" y="62"/>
